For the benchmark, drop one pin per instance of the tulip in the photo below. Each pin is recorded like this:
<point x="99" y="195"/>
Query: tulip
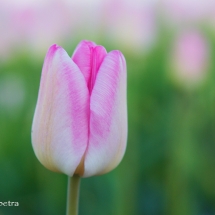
<point x="190" y="58"/>
<point x="80" y="121"/>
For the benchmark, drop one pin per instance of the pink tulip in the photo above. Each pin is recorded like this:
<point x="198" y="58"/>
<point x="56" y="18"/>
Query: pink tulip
<point x="190" y="57"/>
<point x="80" y="121"/>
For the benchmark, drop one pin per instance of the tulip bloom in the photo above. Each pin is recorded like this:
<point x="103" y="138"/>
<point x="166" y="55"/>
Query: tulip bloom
<point x="80" y="121"/>
<point x="190" y="58"/>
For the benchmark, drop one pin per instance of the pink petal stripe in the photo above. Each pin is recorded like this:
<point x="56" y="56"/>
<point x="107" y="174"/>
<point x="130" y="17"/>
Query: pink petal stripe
<point x="60" y="125"/>
<point x="98" y="54"/>
<point x="108" y="116"/>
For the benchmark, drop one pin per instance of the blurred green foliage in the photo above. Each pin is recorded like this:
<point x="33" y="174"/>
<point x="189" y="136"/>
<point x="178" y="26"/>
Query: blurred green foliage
<point x="169" y="164"/>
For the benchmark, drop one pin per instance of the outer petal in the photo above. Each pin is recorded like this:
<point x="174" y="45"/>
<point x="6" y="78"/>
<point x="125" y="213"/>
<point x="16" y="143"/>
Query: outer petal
<point x="82" y="57"/>
<point x="108" y="117"/>
<point x="60" y="125"/>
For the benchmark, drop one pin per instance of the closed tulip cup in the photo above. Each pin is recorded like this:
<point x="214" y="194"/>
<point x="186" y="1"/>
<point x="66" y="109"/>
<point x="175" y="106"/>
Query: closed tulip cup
<point x="80" y="121"/>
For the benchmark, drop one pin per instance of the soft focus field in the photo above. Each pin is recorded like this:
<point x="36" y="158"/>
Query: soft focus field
<point x="169" y="46"/>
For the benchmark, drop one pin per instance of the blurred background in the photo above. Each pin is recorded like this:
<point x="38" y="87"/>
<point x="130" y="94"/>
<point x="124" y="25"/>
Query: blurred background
<point x="169" y="45"/>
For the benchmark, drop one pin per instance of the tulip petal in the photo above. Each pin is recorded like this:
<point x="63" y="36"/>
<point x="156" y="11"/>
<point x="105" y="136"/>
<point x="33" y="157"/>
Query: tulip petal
<point x="60" y="125"/>
<point x="98" y="54"/>
<point x="82" y="58"/>
<point x="108" y="117"/>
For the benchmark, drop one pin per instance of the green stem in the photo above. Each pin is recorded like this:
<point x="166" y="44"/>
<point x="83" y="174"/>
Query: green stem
<point x="73" y="195"/>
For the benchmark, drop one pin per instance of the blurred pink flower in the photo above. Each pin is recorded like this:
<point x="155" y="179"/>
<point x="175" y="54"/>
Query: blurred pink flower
<point x="48" y="23"/>
<point x="34" y="26"/>
<point x="130" y="24"/>
<point x="190" y="57"/>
